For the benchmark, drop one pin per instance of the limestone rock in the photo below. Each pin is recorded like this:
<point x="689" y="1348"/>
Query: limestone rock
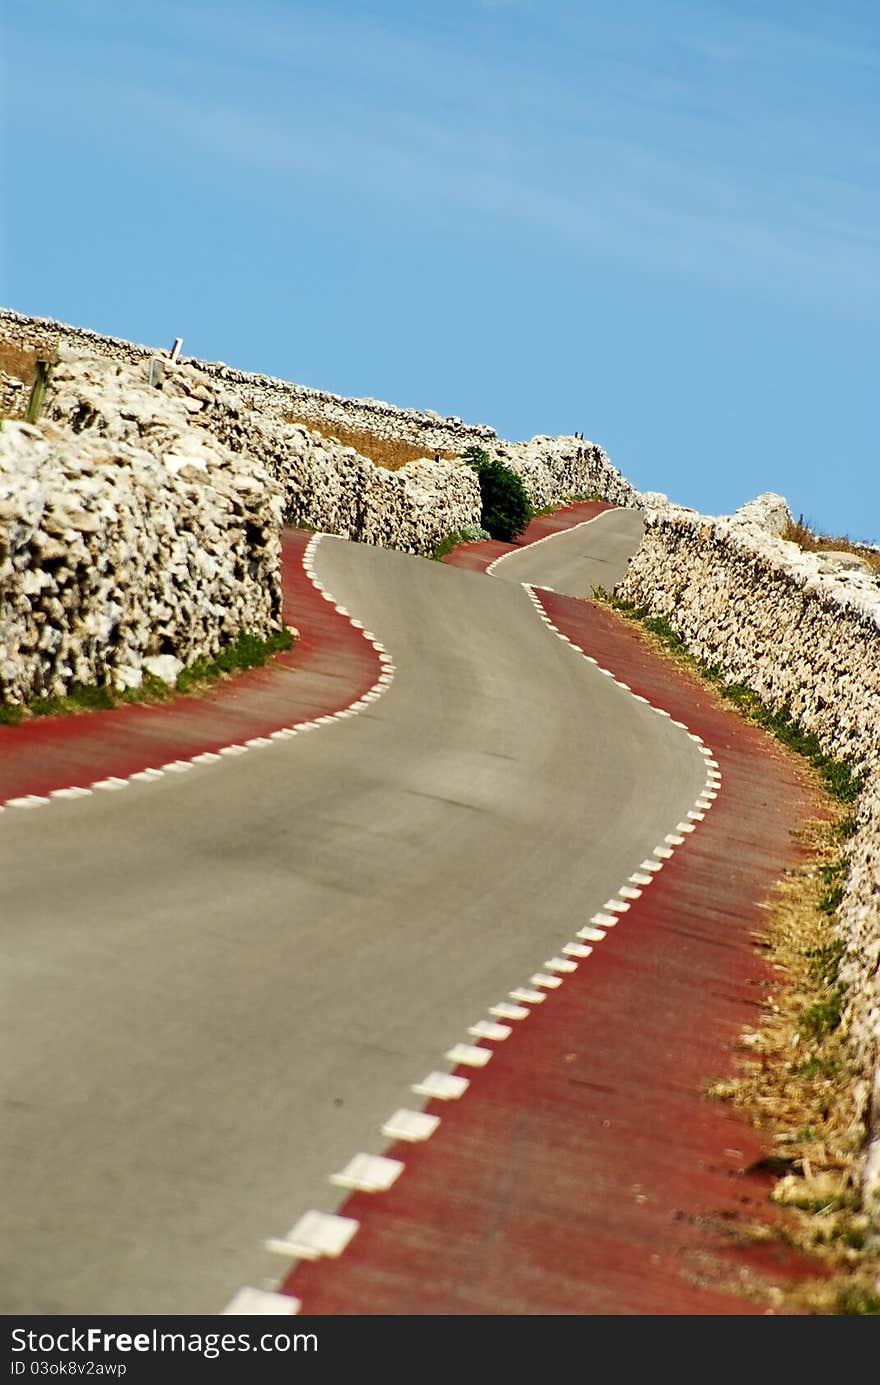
<point x="769" y="511"/>
<point x="164" y="666"/>
<point x="833" y="559"/>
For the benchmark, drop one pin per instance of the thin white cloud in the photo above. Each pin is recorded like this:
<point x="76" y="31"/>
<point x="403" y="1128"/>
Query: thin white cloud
<point x="622" y="162"/>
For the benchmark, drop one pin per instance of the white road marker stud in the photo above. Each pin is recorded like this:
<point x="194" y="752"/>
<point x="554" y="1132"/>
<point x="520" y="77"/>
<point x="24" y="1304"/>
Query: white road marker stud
<point x="681" y="725"/>
<point x="685" y="827"/>
<point x="526" y="995"/>
<point x="233" y="750"/>
<point x="74" y="792"/>
<point x="651" y="865"/>
<point x="662" y="712"/>
<point x="673" y="839"/>
<point x="604" y="920"/>
<point x="277" y="1245"/>
<point x="413" y="1126"/>
<point x="208" y="757"/>
<point x="177" y="767"/>
<point x="696" y="816"/>
<point x="485" y="1029"/>
<point x="316" y="1234"/>
<point x="30" y="800"/>
<point x="627" y="892"/>
<point x="368" y="1173"/>
<point x="503" y="1011"/>
<point x="470" y="1055"/>
<point x="664" y="852"/>
<point x="592" y="935"/>
<point x="563" y="964"/>
<point x="576" y="950"/>
<point x="442" y="1086"/>
<point x="254" y="1303"/>
<point x="548" y="982"/>
<point x="617" y="906"/>
<point x="638" y="877"/>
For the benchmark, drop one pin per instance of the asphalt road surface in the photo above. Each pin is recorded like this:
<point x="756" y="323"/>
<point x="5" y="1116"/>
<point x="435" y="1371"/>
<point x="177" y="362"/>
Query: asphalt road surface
<point x="216" y="987"/>
<point x="592" y="554"/>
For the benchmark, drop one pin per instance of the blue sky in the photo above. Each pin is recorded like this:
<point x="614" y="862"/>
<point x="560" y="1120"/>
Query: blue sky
<point x="650" y="221"/>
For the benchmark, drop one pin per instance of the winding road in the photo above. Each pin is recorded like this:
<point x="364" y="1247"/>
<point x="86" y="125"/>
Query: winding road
<point x="217" y="986"/>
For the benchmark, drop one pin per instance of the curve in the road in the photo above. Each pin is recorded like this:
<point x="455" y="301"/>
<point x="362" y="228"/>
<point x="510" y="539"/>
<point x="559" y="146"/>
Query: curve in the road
<point x="584" y="1171"/>
<point x="333" y="666"/>
<point x="340" y="944"/>
<point x="219" y="984"/>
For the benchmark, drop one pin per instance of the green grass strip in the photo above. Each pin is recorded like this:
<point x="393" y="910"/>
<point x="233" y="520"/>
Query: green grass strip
<point x="247" y="651"/>
<point x="839" y="776"/>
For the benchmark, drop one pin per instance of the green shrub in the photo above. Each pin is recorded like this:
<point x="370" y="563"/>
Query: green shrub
<point x="470" y="533"/>
<point x="505" y="505"/>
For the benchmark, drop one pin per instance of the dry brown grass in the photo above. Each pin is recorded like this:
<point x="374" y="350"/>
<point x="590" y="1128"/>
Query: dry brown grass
<point x="19" y="361"/>
<point x="797" y="1081"/>
<point x="389" y="453"/>
<point x="798" y="531"/>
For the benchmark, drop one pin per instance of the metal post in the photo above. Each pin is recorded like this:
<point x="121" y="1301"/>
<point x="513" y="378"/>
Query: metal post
<point x="38" y="391"/>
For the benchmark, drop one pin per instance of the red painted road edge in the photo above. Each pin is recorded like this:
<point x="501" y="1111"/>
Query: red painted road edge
<point x="583" y="1172"/>
<point x="330" y="666"/>
<point x="476" y="557"/>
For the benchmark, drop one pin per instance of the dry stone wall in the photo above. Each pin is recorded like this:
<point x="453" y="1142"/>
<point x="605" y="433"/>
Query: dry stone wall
<point x="263" y="394"/>
<point x="411" y="509"/>
<point x="803" y="631"/>
<point x="114" y="561"/>
<point x="554" y="470"/>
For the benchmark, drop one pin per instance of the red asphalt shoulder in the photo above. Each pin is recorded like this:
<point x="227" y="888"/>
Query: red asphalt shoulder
<point x="330" y="666"/>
